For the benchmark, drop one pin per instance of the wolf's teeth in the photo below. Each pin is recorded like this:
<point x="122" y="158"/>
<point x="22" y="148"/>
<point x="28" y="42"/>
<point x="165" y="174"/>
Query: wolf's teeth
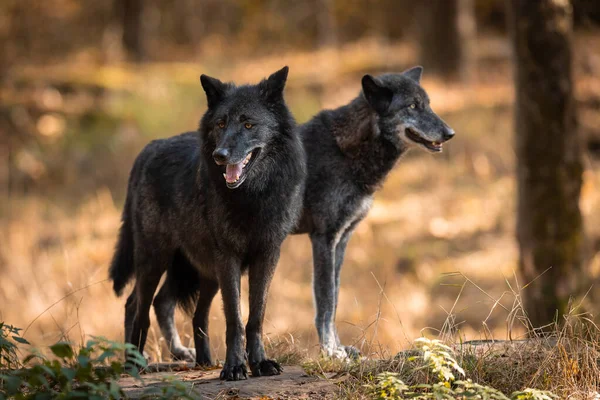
<point x="224" y="175"/>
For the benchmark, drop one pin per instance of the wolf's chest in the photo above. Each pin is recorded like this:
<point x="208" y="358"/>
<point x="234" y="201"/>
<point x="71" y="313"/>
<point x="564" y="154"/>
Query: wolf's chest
<point x="353" y="214"/>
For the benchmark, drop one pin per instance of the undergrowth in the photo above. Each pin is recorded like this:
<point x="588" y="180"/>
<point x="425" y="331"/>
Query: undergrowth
<point x="560" y="361"/>
<point x="89" y="372"/>
<point x="445" y="379"/>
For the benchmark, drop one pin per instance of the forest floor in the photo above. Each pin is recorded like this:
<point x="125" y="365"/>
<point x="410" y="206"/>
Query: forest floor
<point x="293" y="383"/>
<point x="564" y="363"/>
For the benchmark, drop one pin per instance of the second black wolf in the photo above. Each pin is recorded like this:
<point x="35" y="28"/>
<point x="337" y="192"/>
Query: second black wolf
<point x="350" y="151"/>
<point x="217" y="202"/>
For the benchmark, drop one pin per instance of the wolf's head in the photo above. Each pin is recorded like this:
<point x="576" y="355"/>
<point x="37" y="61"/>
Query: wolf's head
<point x="403" y="109"/>
<point x="241" y="122"/>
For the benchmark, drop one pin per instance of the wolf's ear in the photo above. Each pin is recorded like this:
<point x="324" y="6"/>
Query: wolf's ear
<point x="214" y="88"/>
<point x="378" y="96"/>
<point x="414" y="73"/>
<point x="272" y="87"/>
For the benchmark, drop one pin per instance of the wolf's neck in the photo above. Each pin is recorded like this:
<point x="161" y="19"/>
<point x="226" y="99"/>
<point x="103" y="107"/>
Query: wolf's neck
<point x="372" y="148"/>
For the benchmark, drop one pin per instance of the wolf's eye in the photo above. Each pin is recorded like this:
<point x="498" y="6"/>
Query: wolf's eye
<point x="413" y="105"/>
<point x="248" y="125"/>
<point x="221" y="124"/>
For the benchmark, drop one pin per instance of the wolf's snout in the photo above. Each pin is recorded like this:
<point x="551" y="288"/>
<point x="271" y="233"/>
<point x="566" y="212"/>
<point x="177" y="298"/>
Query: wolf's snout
<point x="448" y="133"/>
<point x="221" y="156"/>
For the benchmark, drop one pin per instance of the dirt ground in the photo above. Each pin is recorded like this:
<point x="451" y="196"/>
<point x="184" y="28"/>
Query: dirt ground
<point x="293" y="383"/>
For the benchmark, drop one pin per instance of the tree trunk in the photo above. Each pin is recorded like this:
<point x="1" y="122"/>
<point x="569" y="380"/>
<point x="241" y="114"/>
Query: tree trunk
<point x="131" y="13"/>
<point x="549" y="167"/>
<point x="447" y="34"/>
<point x="326" y="26"/>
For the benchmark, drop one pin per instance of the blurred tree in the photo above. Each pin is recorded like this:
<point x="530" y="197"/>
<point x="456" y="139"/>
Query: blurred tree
<point x="446" y="30"/>
<point x="549" y="167"/>
<point x="326" y="23"/>
<point x="130" y="13"/>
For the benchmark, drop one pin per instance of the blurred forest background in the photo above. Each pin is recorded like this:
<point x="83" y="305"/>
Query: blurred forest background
<point x="85" y="85"/>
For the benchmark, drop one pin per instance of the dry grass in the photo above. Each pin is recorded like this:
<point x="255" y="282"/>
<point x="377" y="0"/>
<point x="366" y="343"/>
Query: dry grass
<point x="564" y="359"/>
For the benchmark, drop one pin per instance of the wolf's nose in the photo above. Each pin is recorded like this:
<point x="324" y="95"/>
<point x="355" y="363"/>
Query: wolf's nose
<point x="448" y="133"/>
<point x="221" y="156"/>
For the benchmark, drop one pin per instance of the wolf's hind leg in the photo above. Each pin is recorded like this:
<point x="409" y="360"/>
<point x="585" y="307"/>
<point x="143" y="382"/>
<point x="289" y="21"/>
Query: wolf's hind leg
<point x="130" y="309"/>
<point x="149" y="269"/>
<point x="164" y="307"/>
<point x="207" y="291"/>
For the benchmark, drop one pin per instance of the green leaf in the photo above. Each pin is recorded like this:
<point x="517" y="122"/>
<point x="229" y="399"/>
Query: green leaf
<point x="62" y="350"/>
<point x="84" y="373"/>
<point x="19" y="339"/>
<point x="68" y="373"/>
<point x="115" y="390"/>
<point x="11" y="383"/>
<point x="43" y="396"/>
<point x="48" y="370"/>
<point x="83" y="360"/>
<point x="106" y="354"/>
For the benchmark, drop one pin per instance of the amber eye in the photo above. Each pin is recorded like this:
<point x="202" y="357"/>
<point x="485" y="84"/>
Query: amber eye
<point x="413" y="105"/>
<point x="248" y="125"/>
<point x="221" y="124"/>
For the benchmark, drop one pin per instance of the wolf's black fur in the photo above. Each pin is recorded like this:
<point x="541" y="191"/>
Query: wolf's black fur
<point x="350" y="151"/>
<point x="181" y="212"/>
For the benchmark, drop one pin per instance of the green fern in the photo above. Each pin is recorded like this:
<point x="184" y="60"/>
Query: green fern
<point x="439" y="360"/>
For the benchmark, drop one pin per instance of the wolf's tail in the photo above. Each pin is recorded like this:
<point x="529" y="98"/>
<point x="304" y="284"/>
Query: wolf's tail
<point x="121" y="268"/>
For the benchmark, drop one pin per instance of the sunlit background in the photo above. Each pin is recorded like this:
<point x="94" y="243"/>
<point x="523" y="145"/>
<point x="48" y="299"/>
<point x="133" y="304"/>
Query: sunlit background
<point x="85" y="85"/>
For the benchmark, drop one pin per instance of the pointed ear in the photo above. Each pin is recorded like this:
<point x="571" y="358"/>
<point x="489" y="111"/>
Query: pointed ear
<point x="378" y="96"/>
<point x="214" y="88"/>
<point x="272" y="87"/>
<point x="414" y="73"/>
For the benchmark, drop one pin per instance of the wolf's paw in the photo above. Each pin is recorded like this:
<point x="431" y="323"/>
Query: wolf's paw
<point x="265" y="368"/>
<point x="183" y="354"/>
<point x="341" y="352"/>
<point x="335" y="352"/>
<point x="352" y="352"/>
<point x="204" y="360"/>
<point x="234" y="373"/>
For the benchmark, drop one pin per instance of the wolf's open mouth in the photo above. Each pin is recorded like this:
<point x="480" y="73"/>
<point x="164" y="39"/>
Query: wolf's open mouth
<point x="235" y="174"/>
<point x="415" y="137"/>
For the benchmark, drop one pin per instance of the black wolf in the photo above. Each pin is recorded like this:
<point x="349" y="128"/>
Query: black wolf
<point x="182" y="210"/>
<point x="350" y="151"/>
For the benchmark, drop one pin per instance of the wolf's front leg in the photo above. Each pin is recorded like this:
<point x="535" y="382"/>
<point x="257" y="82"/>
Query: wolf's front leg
<point x="207" y="291"/>
<point x="260" y="275"/>
<point x="229" y="275"/>
<point x="340" y="251"/>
